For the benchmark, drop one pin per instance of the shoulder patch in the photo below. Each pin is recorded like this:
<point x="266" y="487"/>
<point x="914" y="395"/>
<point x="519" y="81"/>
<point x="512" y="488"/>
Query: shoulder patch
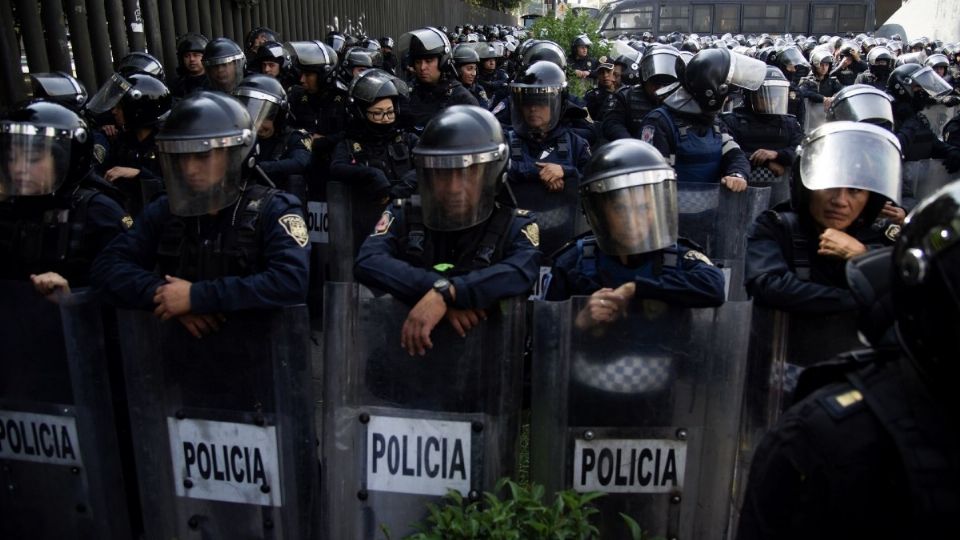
<point x="99" y="153"/>
<point x="522" y="212"/>
<point x="647" y="134"/>
<point x="307" y="142"/>
<point x="532" y="232"/>
<point x="694" y="255"/>
<point x="386" y="220"/>
<point x="127" y="222"/>
<point x="793" y="95"/>
<point x="296" y="228"/>
<point x="840" y="405"/>
<point x="892" y="232"/>
<point x="500" y="106"/>
<point x="357" y="147"/>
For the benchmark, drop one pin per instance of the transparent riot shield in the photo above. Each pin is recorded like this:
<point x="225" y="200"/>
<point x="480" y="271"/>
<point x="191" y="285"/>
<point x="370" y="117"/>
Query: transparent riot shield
<point x="922" y="178"/>
<point x="814" y="115"/>
<point x="938" y="116"/>
<point x="318" y="224"/>
<point x="59" y="454"/>
<point x="717" y="219"/>
<point x="558" y="214"/>
<point x="225" y="439"/>
<point x="761" y="177"/>
<point x="400" y="431"/>
<point x="344" y="245"/>
<point x="645" y="409"/>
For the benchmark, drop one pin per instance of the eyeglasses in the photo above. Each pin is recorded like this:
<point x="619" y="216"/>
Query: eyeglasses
<point x="382" y="115"/>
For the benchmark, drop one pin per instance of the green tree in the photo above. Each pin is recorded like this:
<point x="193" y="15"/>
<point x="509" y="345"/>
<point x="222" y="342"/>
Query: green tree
<point x="563" y="31"/>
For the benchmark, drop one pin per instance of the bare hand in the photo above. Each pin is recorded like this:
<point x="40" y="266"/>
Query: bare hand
<point x="606" y="305"/>
<point x="551" y="174"/>
<point x="116" y="173"/>
<point x="734" y="183"/>
<point x="51" y="285"/>
<point x="762" y="156"/>
<point x="201" y="325"/>
<point x="422" y="319"/>
<point x="172" y="298"/>
<point x="463" y="320"/>
<point x="834" y="243"/>
<point x="894" y="213"/>
<point x="109" y="130"/>
<point x="826" y="102"/>
<point x="776" y="168"/>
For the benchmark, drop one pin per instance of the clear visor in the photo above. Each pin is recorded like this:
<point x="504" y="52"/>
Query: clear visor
<point x="633" y="220"/>
<point x="200" y="183"/>
<point x="771" y="98"/>
<point x="745" y="72"/>
<point x="109" y="95"/>
<point x="663" y="64"/>
<point x="931" y="82"/>
<point x="852" y="159"/>
<point x="261" y="105"/>
<point x="869" y="107"/>
<point x="535" y="110"/>
<point x="59" y="88"/>
<point x="226" y="76"/>
<point x="33" y="160"/>
<point x="457" y="198"/>
<point x="310" y="53"/>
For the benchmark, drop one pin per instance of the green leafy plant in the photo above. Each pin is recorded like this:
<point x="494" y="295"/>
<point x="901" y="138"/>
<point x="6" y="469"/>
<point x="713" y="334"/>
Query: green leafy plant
<point x="563" y="31"/>
<point x="521" y="515"/>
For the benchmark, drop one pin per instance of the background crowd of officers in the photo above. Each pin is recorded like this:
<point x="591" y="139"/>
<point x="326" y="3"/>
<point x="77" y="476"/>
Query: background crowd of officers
<point x="184" y="194"/>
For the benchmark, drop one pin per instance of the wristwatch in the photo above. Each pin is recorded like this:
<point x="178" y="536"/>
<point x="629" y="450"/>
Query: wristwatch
<point x="442" y="286"/>
<point x="738" y="175"/>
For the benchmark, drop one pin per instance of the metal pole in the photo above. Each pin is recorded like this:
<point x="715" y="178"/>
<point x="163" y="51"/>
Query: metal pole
<point x="245" y="18"/>
<point x="134" y="22"/>
<point x="12" y="88"/>
<point x="229" y="29"/>
<point x="99" y="40"/>
<point x="285" y="18"/>
<point x="151" y="21"/>
<point x="32" y="33"/>
<point x="216" y="19"/>
<point x="179" y="17"/>
<point x="168" y="36"/>
<point x="80" y="38"/>
<point x="118" y="32"/>
<point x="51" y="12"/>
<point x="193" y="18"/>
<point x="205" y="26"/>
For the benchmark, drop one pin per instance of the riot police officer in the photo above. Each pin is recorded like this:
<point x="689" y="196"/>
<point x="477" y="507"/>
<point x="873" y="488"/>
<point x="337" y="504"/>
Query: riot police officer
<point x="492" y="78"/>
<point x="658" y="73"/>
<point x="190" y="71"/>
<point x="880" y="63"/>
<point x="850" y="65"/>
<point x="762" y="127"/>
<point x="59" y="87"/>
<point x="224" y="64"/>
<point x="580" y="60"/>
<point x="436" y="86"/>
<point x="389" y="58"/>
<point x="820" y="85"/>
<point x="882" y="439"/>
<point x="318" y="105"/>
<point x="913" y="86"/>
<point x="467" y="62"/>
<point x="452" y="251"/>
<point x="629" y="195"/>
<point x="56" y="213"/>
<point x="217" y="242"/>
<point x="862" y="103"/>
<point x="796" y="253"/>
<point x="596" y="99"/>
<point x="686" y="129"/>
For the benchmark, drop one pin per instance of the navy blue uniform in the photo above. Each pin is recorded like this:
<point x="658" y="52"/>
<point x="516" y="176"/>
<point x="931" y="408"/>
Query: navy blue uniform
<point x="427" y="100"/>
<point x="783" y="269"/>
<point x="262" y="256"/>
<point x="752" y="131"/>
<point x="624" y="117"/>
<point x="285" y="154"/>
<point x="598" y="102"/>
<point x="816" y="89"/>
<point x="918" y="141"/>
<point x="496" y="83"/>
<point x="699" y="150"/>
<point x="561" y="146"/>
<point x="574" y="118"/>
<point x="677" y="275"/>
<point x="126" y="150"/>
<point x="388" y="262"/>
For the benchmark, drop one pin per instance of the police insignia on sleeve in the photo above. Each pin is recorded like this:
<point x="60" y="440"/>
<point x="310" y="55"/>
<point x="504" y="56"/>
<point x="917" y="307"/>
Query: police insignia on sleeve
<point x="127" y="222"/>
<point x="356" y="147"/>
<point x="500" y="106"/>
<point x="522" y="212"/>
<point x="306" y="140"/>
<point x="386" y="220"/>
<point x="892" y="232"/>
<point x="532" y="232"/>
<point x="647" y="134"/>
<point x="695" y="255"/>
<point x="99" y="153"/>
<point x="296" y="228"/>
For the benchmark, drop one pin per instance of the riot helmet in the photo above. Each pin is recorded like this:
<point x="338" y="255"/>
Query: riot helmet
<point x="264" y="98"/>
<point x="821" y="56"/>
<point x="938" y="62"/>
<point x="852" y="155"/>
<point x="460" y="160"/>
<point x="916" y="45"/>
<point x="191" y="43"/>
<point x="629" y="62"/>
<point x="313" y="57"/>
<point x="337" y="42"/>
<point x="791" y="62"/>
<point x="386" y="42"/>
<point x="907" y="81"/>
<point x="911" y="58"/>
<point x="204" y="145"/>
<point x="370" y="87"/>
<point x="862" y="103"/>
<point x="270" y="59"/>
<point x="690" y="46"/>
<point x="146" y="103"/>
<point x="42" y="145"/>
<point x="629" y="196"/>
<point x="773" y="95"/>
<point x="258" y="36"/>
<point x="140" y="62"/>
<point x="881" y="61"/>
<point x="374" y="49"/>
<point x="356" y="61"/>
<point x="658" y="68"/>
<point x="708" y="78"/>
<point x="926" y="283"/>
<point x="540" y="51"/>
<point x="224" y="62"/>
<point x="58" y="87"/>
<point x="427" y="43"/>
<point x="580" y="41"/>
<point x="537" y="99"/>
<point x="467" y="62"/>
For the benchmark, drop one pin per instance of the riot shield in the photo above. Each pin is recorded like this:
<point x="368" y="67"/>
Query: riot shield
<point x="558" y="214"/>
<point x="938" y="116"/>
<point x="717" y="220"/>
<point x="645" y="409"/>
<point x="223" y="425"/>
<point x="59" y="453"/>
<point x="343" y="249"/>
<point x="399" y="431"/>
<point x="779" y="185"/>
<point x="814" y="115"/>
<point x="922" y="178"/>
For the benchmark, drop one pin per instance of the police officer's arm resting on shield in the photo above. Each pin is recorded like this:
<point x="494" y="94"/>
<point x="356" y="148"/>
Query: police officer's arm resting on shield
<point x="452" y="252"/>
<point x="216" y="243"/>
<point x="629" y="197"/>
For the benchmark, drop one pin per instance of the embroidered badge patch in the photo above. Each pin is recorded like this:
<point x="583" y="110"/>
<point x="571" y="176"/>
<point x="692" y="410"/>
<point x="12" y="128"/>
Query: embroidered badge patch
<point x="127" y="222"/>
<point x="647" y="134"/>
<point x="386" y="220"/>
<point x="296" y="228"/>
<point x="695" y="255"/>
<point x="892" y="232"/>
<point x="532" y="232"/>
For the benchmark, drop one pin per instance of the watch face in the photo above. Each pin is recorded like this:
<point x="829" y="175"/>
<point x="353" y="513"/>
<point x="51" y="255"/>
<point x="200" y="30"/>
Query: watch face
<point x="441" y="284"/>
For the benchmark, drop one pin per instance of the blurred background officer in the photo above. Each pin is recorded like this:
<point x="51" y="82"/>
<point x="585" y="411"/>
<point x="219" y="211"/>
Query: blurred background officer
<point x="820" y="85"/>
<point x="452" y="251"/>
<point x="580" y="60"/>
<point x="658" y="74"/>
<point x="217" y="242"/>
<point x="913" y="87"/>
<point x="763" y="129"/>
<point x="608" y="82"/>
<point x="797" y="252"/>
<point x="389" y="57"/>
<point x="879" y="65"/>
<point x="59" y="87"/>
<point x="190" y="71"/>
<point x="436" y="86"/>
<point x="862" y="103"/>
<point x="629" y="195"/>
<point x="55" y="212"/>
<point x="492" y="77"/>
<point x="224" y="63"/>
<point x="467" y="62"/>
<point x="877" y="454"/>
<point x="686" y="129"/>
<point x="850" y="65"/>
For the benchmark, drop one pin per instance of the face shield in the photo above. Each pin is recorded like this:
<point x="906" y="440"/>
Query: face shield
<point x="535" y="110"/>
<point x="109" y="95"/>
<point x="747" y="73"/>
<point x="34" y="160"/>
<point x="792" y="57"/>
<point x="659" y="63"/>
<point x="58" y="87"/>
<point x="862" y="105"/>
<point x="632" y="213"/>
<point x="932" y="84"/>
<point x="771" y="98"/>
<point x="203" y="175"/>
<point x="457" y="192"/>
<point x="224" y="73"/>
<point x="261" y="105"/>
<point x="852" y="155"/>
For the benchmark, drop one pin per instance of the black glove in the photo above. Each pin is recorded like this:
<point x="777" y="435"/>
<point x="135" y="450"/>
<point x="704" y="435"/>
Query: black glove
<point x="952" y="162"/>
